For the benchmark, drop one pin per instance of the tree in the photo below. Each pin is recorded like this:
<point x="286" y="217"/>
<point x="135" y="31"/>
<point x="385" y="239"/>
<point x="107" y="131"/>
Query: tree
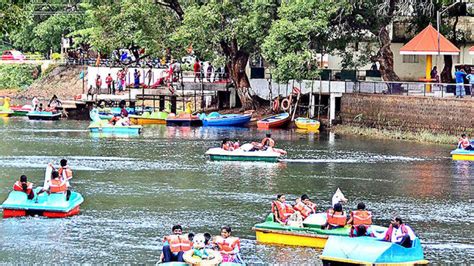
<point x="233" y="29"/>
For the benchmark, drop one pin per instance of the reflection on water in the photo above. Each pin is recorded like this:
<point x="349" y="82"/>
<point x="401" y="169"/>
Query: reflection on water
<point x="136" y="188"/>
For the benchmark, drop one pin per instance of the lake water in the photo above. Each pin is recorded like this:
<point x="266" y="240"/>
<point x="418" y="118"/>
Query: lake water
<point x="136" y="188"/>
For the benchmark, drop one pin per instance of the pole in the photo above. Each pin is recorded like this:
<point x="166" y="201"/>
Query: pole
<point x="438" y="21"/>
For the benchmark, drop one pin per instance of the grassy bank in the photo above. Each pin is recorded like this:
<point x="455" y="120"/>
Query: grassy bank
<point x="16" y="76"/>
<point x="424" y="136"/>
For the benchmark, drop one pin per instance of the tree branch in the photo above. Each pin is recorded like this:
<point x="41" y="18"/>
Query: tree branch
<point x="173" y="5"/>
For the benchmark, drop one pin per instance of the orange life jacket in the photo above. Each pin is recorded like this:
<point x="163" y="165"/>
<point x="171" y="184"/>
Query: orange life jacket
<point x="18" y="187"/>
<point x="57" y="186"/>
<point x="179" y="243"/>
<point x="284" y="210"/>
<point x="65" y="173"/>
<point x="227" y="244"/>
<point x="336" y="218"/>
<point x="304" y="209"/>
<point x="463" y="143"/>
<point x="361" y="217"/>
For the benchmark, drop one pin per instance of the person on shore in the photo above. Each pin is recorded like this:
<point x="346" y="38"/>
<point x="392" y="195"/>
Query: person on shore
<point x="197" y="70"/>
<point x="360" y="220"/>
<point x="228" y="246"/>
<point x="470" y="77"/>
<point x="108" y="81"/>
<point x="336" y="217"/>
<point x="149" y="76"/>
<point x="460" y="75"/>
<point x="281" y="210"/>
<point x="98" y="83"/>
<point x="400" y="233"/>
<point x="305" y="206"/>
<point x="176" y="70"/>
<point x="120" y="80"/>
<point x="136" y="78"/>
<point x="209" y="71"/>
<point x="24" y="186"/>
<point x="434" y="74"/>
<point x="175" y="245"/>
<point x="464" y="143"/>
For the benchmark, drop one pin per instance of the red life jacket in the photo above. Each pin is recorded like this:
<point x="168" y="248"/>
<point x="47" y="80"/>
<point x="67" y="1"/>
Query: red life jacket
<point x="65" y="173"/>
<point x="304" y="209"/>
<point x="18" y="186"/>
<point x="336" y="218"/>
<point x="227" y="244"/>
<point x="463" y="143"/>
<point x="361" y="217"/>
<point x="179" y="243"/>
<point x="57" y="186"/>
<point x="284" y="210"/>
<point x="388" y="234"/>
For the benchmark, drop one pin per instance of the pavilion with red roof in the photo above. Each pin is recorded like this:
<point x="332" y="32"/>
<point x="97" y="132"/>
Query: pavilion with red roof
<point x="426" y="43"/>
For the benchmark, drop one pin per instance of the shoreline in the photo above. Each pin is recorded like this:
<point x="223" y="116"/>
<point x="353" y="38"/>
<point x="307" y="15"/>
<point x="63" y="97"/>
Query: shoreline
<point x="423" y="136"/>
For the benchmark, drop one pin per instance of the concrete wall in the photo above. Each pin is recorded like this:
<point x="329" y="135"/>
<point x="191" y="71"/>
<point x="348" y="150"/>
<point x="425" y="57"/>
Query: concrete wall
<point x="409" y="113"/>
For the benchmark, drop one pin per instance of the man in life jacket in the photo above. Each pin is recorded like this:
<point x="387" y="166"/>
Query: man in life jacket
<point x="305" y="206"/>
<point x="267" y="142"/>
<point x="228" y="246"/>
<point x="400" y="233"/>
<point x="175" y="245"/>
<point x="336" y="217"/>
<point x="464" y="143"/>
<point x="281" y="210"/>
<point x="358" y="219"/>
<point x="55" y="185"/>
<point x="24" y="186"/>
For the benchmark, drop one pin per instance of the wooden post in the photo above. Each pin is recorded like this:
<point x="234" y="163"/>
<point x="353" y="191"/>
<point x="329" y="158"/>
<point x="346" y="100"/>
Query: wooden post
<point x="429" y="63"/>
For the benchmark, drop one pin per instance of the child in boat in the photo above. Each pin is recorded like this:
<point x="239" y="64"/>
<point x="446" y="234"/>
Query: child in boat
<point x="336" y="217"/>
<point x="24" y="186"/>
<point x="228" y="246"/>
<point x="464" y="143"/>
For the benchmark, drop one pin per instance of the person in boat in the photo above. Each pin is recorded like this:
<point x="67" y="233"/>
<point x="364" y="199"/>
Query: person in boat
<point x="65" y="173"/>
<point x="123" y="121"/>
<point x="336" y="217"/>
<point x="267" y="142"/>
<point x="175" y="245"/>
<point x="358" y="219"/>
<point x="40" y="108"/>
<point x="55" y="185"/>
<point x="400" y="233"/>
<point x="464" y="143"/>
<point x="228" y="246"/>
<point x="305" y="206"/>
<point x="24" y="186"/>
<point x="227" y="145"/>
<point x="282" y="211"/>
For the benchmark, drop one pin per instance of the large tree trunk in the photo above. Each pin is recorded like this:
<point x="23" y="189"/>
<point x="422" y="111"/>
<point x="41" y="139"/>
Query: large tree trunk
<point x="446" y="76"/>
<point x="385" y="57"/>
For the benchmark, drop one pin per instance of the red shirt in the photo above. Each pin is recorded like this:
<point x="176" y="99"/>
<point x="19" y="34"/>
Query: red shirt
<point x="197" y="67"/>
<point x="108" y="80"/>
<point x="98" y="82"/>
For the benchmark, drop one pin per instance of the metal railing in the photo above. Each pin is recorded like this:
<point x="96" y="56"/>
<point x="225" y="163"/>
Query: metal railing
<point x="428" y="89"/>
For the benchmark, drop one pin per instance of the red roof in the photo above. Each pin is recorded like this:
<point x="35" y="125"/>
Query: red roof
<point x="471" y="50"/>
<point x="426" y="43"/>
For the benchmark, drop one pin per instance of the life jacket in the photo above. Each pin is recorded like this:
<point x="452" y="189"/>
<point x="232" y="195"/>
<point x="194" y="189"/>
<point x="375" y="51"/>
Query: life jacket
<point x="57" y="186"/>
<point x="304" y="209"/>
<point x="268" y="142"/>
<point x="463" y="143"/>
<point x="361" y="217"/>
<point x="18" y="187"/>
<point x="388" y="234"/>
<point x="65" y="173"/>
<point x="227" y="244"/>
<point x="284" y="210"/>
<point x="179" y="243"/>
<point x="336" y="218"/>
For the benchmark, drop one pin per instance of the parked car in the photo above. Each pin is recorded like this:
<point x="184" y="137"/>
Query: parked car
<point x="12" y="55"/>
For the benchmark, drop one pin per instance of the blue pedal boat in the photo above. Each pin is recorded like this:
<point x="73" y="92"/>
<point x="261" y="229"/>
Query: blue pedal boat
<point x="53" y="205"/>
<point x="36" y="115"/>
<point x="370" y="251"/>
<point x="235" y="120"/>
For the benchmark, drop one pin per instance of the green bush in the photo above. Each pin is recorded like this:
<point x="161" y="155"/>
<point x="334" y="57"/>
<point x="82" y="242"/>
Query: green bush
<point x="16" y="76"/>
<point x="55" y="56"/>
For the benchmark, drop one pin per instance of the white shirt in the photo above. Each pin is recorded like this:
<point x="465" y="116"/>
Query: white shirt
<point x="397" y="234"/>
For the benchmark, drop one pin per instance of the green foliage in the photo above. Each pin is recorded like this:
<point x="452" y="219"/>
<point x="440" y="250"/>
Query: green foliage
<point x="16" y="76"/>
<point x="55" y="56"/>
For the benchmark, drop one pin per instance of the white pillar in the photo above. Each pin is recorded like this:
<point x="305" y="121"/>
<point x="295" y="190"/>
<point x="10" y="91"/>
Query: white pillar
<point x="332" y="108"/>
<point x="312" y="100"/>
<point x="233" y="98"/>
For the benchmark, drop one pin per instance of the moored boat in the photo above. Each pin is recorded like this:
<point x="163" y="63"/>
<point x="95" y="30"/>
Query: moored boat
<point x="219" y="154"/>
<point x="307" y="124"/>
<point x="370" y="251"/>
<point x="116" y="129"/>
<point x="21" y="110"/>
<point x="52" y="205"/>
<point x="183" y="119"/>
<point x="5" y="110"/>
<point x="149" y="119"/>
<point x="6" y="113"/>
<point x="218" y="120"/>
<point x="462" y="155"/>
<point x="43" y="115"/>
<point x="274" y="121"/>
<point x="271" y="232"/>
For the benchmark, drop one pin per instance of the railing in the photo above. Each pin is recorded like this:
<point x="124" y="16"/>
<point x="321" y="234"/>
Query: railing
<point x="429" y="89"/>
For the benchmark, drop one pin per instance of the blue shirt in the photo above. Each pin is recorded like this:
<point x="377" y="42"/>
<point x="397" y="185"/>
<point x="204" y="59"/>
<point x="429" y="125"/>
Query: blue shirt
<point x="459" y="76"/>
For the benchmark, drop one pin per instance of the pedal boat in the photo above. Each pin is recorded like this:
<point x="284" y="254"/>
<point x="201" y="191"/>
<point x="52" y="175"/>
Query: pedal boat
<point x="307" y="124"/>
<point x="219" y="154"/>
<point x="462" y="155"/>
<point x="36" y="115"/>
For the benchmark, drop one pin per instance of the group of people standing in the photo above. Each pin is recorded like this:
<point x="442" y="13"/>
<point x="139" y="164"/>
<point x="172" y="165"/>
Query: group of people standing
<point x="58" y="182"/>
<point x="109" y="81"/>
<point x="360" y="219"/>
